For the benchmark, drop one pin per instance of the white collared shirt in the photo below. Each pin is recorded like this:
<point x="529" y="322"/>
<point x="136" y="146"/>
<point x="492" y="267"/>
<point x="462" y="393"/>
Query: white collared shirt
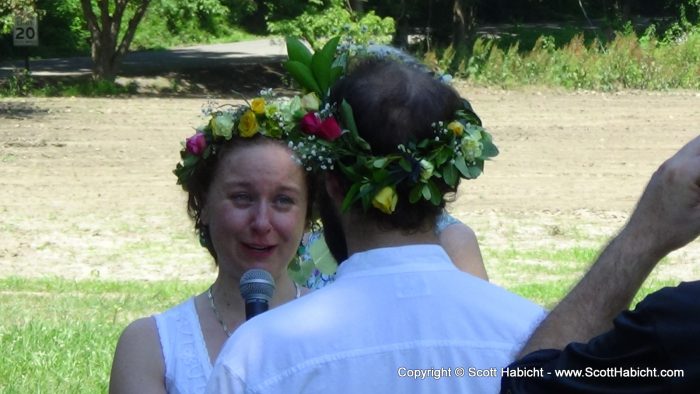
<point x="392" y="314"/>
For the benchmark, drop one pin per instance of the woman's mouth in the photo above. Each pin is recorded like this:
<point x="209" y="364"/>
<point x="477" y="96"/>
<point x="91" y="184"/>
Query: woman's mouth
<point x="259" y="249"/>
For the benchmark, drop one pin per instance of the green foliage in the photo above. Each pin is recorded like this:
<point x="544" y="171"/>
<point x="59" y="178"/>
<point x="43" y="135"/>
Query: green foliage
<point x="59" y="335"/>
<point x="316" y="73"/>
<point x="317" y="26"/>
<point x="626" y="62"/>
<point x="169" y="23"/>
<point x="20" y="83"/>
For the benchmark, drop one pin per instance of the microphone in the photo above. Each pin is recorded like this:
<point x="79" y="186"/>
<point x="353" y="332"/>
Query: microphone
<point x="256" y="287"/>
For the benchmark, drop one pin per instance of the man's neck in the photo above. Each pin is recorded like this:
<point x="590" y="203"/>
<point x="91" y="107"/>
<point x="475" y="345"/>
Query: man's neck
<point x="361" y="237"/>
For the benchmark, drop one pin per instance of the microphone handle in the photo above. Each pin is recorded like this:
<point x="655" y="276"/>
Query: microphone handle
<point x="255" y="307"/>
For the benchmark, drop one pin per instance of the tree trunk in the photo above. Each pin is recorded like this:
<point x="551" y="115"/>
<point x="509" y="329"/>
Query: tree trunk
<point x="463" y="26"/>
<point x="401" y="36"/>
<point x="256" y="23"/>
<point x="107" y="48"/>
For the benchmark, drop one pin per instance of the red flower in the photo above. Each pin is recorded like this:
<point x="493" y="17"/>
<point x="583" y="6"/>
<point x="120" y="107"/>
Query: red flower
<point x="196" y="144"/>
<point x="310" y="123"/>
<point x="328" y="128"/>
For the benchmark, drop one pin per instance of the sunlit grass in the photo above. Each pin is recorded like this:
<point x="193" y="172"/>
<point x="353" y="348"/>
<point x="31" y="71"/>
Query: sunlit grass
<point x="59" y="335"/>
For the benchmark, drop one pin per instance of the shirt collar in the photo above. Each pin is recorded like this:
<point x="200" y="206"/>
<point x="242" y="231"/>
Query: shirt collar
<point x="424" y="257"/>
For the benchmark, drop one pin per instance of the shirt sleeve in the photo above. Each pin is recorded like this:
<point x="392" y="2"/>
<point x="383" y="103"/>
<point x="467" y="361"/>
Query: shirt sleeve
<point x="659" y="336"/>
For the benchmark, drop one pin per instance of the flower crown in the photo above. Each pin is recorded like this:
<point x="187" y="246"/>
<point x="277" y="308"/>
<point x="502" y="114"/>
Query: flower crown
<point x="324" y="136"/>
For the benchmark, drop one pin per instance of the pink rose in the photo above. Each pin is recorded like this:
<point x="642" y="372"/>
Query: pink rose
<point x="330" y="130"/>
<point x="196" y="144"/>
<point x="310" y="123"/>
<point x="327" y="129"/>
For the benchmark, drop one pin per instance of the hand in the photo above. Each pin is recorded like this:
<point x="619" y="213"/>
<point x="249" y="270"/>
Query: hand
<point x="667" y="215"/>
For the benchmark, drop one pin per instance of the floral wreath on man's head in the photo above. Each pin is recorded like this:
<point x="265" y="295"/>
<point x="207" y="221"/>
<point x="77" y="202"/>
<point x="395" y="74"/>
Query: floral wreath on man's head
<point x="325" y="137"/>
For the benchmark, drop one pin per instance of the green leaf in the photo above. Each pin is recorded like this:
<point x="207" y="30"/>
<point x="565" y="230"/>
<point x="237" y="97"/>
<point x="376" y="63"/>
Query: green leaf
<point x="468" y="113"/>
<point x="443" y="155"/>
<point x="330" y="48"/>
<point x="405" y="165"/>
<point x="297" y="51"/>
<point x="302" y="74"/>
<point x="489" y="149"/>
<point x="380" y="163"/>
<point x="378" y="177"/>
<point x="475" y="171"/>
<point x="435" y="195"/>
<point x="462" y="167"/>
<point x="336" y="72"/>
<point x="348" y="118"/>
<point x="450" y="175"/>
<point x="321" y="68"/>
<point x="190" y="161"/>
<point x="426" y="192"/>
<point x="365" y="189"/>
<point x="348" y="170"/>
<point x="321" y="63"/>
<point x="350" y="197"/>
<point x="415" y="194"/>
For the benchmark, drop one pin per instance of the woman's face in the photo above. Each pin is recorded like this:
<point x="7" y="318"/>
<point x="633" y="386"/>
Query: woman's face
<point x="256" y="209"/>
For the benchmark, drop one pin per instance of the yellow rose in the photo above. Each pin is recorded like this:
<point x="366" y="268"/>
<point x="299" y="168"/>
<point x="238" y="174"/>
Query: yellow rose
<point x="310" y="102"/>
<point x="386" y="200"/>
<point x="258" y="105"/>
<point x="248" y="124"/>
<point x="456" y="127"/>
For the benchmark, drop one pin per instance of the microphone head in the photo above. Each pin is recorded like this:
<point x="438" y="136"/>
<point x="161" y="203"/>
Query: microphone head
<point x="257" y="284"/>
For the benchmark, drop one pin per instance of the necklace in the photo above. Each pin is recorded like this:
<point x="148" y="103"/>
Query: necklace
<point x="216" y="312"/>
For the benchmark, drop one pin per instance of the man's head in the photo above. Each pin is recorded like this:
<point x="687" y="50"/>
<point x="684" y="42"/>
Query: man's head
<point x="393" y="104"/>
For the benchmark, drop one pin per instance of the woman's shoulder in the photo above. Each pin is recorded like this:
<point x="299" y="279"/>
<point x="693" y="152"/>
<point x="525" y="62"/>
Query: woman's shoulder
<point x="139" y="334"/>
<point x="137" y="358"/>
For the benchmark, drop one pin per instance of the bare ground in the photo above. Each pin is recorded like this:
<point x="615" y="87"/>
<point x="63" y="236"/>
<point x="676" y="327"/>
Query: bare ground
<point x="88" y="190"/>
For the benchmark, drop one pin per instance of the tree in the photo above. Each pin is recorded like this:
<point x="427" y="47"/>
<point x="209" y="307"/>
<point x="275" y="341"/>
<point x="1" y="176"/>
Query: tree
<point x="108" y="46"/>
<point x="463" y="31"/>
<point x="10" y="8"/>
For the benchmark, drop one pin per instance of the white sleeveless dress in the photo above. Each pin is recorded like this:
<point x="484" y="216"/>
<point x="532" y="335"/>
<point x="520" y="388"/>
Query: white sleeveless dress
<point x="187" y="363"/>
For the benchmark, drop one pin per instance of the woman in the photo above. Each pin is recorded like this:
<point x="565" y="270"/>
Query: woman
<point x="250" y="201"/>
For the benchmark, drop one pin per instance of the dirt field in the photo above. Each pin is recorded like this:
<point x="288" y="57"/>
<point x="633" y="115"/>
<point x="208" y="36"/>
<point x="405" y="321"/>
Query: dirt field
<point x="88" y="189"/>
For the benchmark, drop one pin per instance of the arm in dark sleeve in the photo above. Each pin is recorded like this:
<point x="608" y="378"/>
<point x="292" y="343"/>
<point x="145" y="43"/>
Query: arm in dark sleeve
<point x="663" y="332"/>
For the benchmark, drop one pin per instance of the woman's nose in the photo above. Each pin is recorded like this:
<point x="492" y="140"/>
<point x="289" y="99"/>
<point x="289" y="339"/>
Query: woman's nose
<point x="261" y="219"/>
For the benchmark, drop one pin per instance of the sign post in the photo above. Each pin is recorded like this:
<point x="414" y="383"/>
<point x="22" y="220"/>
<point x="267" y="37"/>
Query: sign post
<point x="25" y="33"/>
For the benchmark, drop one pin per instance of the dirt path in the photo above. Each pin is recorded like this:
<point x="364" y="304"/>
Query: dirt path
<point x="88" y="189"/>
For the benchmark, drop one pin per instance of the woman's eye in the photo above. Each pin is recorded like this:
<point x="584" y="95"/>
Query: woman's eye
<point x="240" y="198"/>
<point x="285" y="200"/>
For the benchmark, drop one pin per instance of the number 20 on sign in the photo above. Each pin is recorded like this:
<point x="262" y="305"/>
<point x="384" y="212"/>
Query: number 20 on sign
<point x="25" y="32"/>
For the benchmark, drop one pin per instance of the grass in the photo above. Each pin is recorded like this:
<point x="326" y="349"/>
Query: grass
<point x="628" y="60"/>
<point x="59" y="335"/>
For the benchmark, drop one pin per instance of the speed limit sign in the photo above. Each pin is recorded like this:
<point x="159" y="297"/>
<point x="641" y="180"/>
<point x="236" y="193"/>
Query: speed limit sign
<point x="25" y="33"/>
